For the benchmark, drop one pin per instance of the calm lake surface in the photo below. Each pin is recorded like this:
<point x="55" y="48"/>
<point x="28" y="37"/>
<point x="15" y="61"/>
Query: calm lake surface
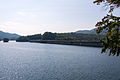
<point x="35" y="61"/>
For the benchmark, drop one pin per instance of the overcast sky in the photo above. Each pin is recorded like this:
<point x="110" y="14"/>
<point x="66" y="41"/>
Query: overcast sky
<point x="26" y="17"/>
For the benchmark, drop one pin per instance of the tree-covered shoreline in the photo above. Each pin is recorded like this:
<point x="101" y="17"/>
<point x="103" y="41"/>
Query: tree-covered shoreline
<point x="59" y="36"/>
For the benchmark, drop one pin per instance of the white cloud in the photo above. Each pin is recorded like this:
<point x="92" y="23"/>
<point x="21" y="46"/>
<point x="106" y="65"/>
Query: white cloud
<point x="29" y="14"/>
<point x="15" y="27"/>
<point x="21" y="13"/>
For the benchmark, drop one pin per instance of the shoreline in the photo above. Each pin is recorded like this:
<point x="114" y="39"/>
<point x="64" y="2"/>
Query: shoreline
<point x="69" y="42"/>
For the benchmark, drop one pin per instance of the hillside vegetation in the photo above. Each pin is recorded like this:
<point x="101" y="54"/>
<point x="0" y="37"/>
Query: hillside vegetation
<point x="59" y="36"/>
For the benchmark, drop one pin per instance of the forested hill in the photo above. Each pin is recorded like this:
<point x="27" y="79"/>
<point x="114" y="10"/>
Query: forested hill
<point x="59" y="36"/>
<point x="8" y="35"/>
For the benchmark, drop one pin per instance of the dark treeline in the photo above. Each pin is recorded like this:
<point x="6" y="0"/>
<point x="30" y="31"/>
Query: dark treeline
<point x="59" y="36"/>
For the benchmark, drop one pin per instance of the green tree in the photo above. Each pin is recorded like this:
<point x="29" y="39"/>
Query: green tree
<point x="49" y="36"/>
<point x="111" y="3"/>
<point x="35" y="37"/>
<point x="22" y="39"/>
<point x="111" y="24"/>
<point x="5" y="39"/>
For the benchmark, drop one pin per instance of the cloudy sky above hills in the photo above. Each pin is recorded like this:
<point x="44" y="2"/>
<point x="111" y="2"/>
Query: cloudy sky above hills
<point x="37" y="16"/>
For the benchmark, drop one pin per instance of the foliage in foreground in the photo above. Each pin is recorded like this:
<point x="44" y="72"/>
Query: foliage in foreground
<point x="111" y="24"/>
<point x="112" y="37"/>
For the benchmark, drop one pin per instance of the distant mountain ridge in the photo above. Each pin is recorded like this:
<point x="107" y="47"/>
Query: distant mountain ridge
<point x="92" y="31"/>
<point x="8" y="35"/>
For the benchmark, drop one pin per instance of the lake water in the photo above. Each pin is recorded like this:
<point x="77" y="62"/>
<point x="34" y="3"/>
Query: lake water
<point x="35" y="61"/>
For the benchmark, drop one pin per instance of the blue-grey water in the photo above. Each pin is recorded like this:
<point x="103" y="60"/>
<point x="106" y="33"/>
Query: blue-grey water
<point x="35" y="61"/>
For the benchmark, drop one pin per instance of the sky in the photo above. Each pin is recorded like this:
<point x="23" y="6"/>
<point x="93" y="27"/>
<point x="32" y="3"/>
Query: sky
<point x="27" y="17"/>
